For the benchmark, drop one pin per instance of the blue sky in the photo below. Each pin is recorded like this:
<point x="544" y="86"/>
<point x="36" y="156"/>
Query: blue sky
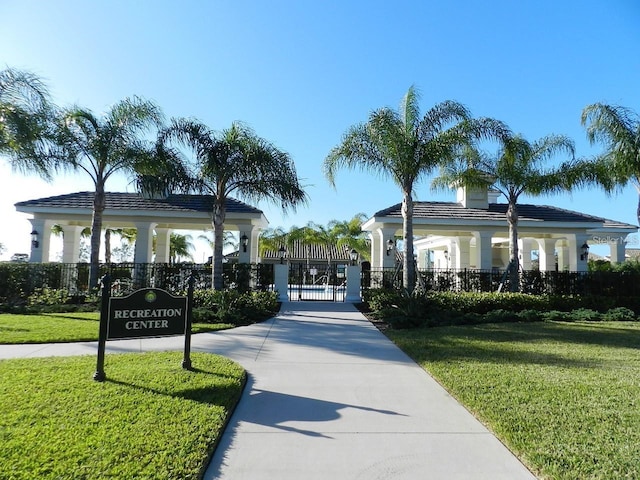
<point x="301" y="72"/>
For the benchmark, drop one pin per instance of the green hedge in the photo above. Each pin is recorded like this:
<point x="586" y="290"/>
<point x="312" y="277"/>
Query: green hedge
<point x="402" y="310"/>
<point x="231" y="306"/>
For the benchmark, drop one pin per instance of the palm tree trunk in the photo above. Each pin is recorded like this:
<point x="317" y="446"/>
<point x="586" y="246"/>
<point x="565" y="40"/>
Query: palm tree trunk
<point x="107" y="246"/>
<point x="512" y="219"/>
<point x="96" y="231"/>
<point x="408" y="279"/>
<point x="218" y="240"/>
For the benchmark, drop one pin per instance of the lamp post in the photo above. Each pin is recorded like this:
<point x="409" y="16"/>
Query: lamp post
<point x="354" y="257"/>
<point x="282" y="252"/>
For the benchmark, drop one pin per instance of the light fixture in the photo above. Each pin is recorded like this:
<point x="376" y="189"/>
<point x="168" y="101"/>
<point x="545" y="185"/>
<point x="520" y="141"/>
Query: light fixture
<point x="390" y="245"/>
<point x="354" y="256"/>
<point x="34" y="239"/>
<point x="283" y="252"/>
<point x="585" y="251"/>
<point x="244" y="240"/>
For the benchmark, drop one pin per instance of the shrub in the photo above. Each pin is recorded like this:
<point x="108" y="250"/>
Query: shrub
<point x="619" y="314"/>
<point x="231" y="306"/>
<point x="584" y="315"/>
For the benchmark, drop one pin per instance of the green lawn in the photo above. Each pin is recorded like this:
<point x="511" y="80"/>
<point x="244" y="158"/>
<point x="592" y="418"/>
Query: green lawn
<point x="64" y="327"/>
<point x="564" y="397"/>
<point x="151" y="419"/>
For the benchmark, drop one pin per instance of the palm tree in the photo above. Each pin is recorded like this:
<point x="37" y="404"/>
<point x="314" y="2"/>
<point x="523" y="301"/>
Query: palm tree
<point x="25" y="122"/>
<point x="104" y="146"/>
<point x="350" y="236"/>
<point x="619" y="129"/>
<point x="180" y="246"/>
<point x="127" y="234"/>
<point x="518" y="167"/>
<point x="406" y="147"/>
<point x="235" y="161"/>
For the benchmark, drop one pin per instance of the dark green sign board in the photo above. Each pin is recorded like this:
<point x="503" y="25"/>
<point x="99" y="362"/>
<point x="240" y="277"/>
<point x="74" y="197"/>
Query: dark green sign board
<point x="149" y="312"/>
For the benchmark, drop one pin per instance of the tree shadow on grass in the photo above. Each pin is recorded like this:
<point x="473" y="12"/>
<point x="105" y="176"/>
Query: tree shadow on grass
<point x="510" y="343"/>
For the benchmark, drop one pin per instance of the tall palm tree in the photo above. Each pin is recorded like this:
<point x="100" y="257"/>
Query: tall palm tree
<point x="618" y="128"/>
<point x="104" y="146"/>
<point x="405" y="147"/>
<point x="519" y="167"/>
<point x="25" y="122"/>
<point x="235" y="161"/>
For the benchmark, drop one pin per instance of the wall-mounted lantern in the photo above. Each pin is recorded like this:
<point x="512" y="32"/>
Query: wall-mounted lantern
<point x="390" y="246"/>
<point x="34" y="239"/>
<point x="244" y="240"/>
<point x="585" y="251"/>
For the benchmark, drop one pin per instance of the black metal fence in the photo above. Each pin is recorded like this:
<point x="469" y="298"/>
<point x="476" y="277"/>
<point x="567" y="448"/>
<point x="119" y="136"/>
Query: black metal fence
<point x="23" y="279"/>
<point x="613" y="284"/>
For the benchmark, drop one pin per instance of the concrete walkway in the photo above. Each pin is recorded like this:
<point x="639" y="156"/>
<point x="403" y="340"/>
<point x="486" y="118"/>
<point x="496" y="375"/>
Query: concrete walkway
<point x="330" y="397"/>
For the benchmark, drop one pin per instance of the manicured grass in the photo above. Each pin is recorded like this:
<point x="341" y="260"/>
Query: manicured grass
<point x="564" y="397"/>
<point x="64" y="327"/>
<point x="151" y="419"/>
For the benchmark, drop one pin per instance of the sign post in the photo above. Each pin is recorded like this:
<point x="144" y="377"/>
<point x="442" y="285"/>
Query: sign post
<point x="100" y="376"/>
<point x="186" y="361"/>
<point x="148" y="312"/>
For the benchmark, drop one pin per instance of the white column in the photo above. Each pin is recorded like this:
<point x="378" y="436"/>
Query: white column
<point x="376" y="250"/>
<point x="524" y="249"/>
<point x="144" y="242"/>
<point x="40" y="253"/>
<point x="71" y="235"/>
<point x="563" y="258"/>
<point x="353" y="284"/>
<point x="484" y="253"/>
<point x="617" y="250"/>
<point x="253" y="247"/>
<point x="547" y="255"/>
<point x="462" y="248"/>
<point x="281" y="279"/>
<point x="163" y="244"/>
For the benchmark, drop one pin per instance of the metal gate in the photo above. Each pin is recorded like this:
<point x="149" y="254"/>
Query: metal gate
<point x="317" y="282"/>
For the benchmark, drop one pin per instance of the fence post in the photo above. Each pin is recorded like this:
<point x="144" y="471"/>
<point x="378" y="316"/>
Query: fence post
<point x="281" y="281"/>
<point x="354" y="273"/>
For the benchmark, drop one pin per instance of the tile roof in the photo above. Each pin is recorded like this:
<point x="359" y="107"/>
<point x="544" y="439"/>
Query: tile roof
<point x="134" y="201"/>
<point x="302" y="251"/>
<point x="497" y="212"/>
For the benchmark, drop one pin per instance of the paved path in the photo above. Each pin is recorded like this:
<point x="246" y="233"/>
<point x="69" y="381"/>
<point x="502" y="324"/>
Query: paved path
<point x="330" y="397"/>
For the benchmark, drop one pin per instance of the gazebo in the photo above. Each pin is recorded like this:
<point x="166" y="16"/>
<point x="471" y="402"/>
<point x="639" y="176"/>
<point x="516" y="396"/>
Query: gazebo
<point x="473" y="233"/>
<point x="73" y="213"/>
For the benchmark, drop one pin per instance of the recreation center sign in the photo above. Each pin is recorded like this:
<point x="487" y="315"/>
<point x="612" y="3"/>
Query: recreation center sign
<point x="148" y="312"/>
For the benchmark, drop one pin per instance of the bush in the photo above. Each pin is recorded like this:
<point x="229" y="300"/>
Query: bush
<point x="401" y="310"/>
<point x="231" y="306"/>
<point x="619" y="314"/>
<point x="584" y="315"/>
